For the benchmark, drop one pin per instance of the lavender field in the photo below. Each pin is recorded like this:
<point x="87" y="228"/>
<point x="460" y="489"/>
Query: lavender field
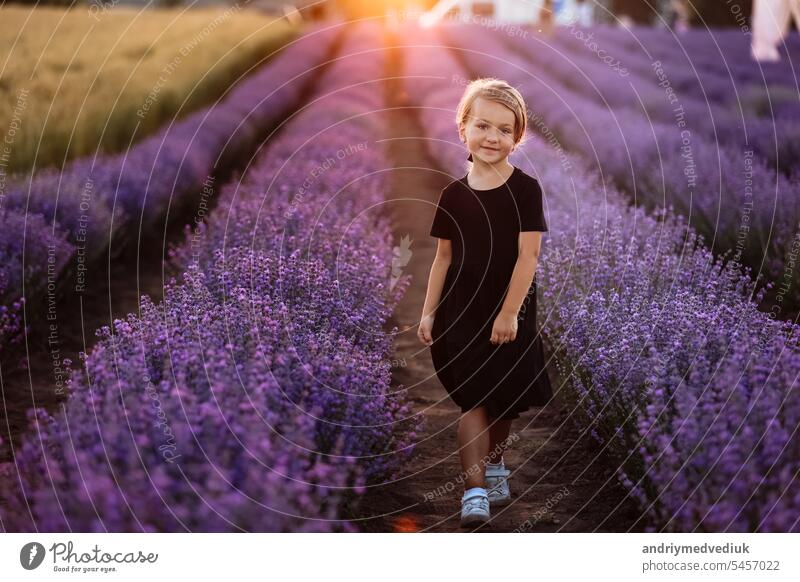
<point x="215" y="330"/>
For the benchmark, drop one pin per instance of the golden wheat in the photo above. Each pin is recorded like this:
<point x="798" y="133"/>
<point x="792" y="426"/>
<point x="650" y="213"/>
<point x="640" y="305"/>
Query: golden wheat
<point x="77" y="80"/>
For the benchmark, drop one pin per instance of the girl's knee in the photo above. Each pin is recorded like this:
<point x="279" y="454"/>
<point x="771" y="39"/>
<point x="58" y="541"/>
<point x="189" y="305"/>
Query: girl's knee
<point x="476" y="411"/>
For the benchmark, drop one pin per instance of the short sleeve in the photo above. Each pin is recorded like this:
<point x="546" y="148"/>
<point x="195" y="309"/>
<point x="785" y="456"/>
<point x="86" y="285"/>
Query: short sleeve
<point x="443" y="225"/>
<point x="531" y="208"/>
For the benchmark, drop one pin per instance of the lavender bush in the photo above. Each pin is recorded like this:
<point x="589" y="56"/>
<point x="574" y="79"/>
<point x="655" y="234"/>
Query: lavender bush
<point x="47" y="251"/>
<point x="705" y="61"/>
<point x="184" y="428"/>
<point x="642" y="90"/>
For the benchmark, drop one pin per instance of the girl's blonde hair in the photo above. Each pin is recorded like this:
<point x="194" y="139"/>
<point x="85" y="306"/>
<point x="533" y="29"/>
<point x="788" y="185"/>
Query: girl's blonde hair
<point x="498" y="91"/>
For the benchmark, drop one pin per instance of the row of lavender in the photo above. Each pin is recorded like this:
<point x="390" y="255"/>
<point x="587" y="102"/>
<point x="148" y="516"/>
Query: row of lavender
<point x="708" y="62"/>
<point x="647" y="85"/>
<point x="52" y="216"/>
<point x="664" y="357"/>
<point x="256" y="396"/>
<point x="729" y="195"/>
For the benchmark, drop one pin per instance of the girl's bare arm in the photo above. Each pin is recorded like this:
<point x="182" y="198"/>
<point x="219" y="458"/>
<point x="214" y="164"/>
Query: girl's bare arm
<point x="530" y="243"/>
<point x="442" y="260"/>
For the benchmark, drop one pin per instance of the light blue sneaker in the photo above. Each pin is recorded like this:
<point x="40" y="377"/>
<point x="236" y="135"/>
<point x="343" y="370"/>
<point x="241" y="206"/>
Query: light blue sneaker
<point x="497" y="483"/>
<point x="474" y="508"/>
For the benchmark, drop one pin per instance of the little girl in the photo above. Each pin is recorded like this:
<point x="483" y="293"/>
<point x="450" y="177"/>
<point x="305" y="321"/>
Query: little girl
<point x="479" y="317"/>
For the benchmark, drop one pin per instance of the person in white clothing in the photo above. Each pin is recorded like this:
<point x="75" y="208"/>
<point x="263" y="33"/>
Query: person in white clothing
<point x="770" y="23"/>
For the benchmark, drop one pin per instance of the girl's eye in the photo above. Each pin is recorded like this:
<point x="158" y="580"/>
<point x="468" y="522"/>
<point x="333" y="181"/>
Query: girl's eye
<point x="484" y="126"/>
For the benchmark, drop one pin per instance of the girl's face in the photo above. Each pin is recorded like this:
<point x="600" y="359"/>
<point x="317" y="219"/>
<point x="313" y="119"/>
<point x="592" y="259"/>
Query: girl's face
<point x="489" y="131"/>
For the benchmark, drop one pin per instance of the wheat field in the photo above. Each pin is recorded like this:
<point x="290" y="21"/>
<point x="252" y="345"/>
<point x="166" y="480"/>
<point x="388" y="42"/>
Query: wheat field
<point x="77" y="80"/>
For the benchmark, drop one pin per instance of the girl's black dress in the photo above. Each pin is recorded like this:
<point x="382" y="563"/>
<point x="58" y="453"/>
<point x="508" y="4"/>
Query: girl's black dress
<point x="484" y="227"/>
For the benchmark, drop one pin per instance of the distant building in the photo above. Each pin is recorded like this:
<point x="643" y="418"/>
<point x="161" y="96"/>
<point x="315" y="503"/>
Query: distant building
<point x="517" y="11"/>
<point x="308" y="9"/>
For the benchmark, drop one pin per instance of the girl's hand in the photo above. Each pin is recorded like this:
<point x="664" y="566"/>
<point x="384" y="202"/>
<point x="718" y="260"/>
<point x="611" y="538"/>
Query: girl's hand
<point x="504" y="329"/>
<point x="424" y="330"/>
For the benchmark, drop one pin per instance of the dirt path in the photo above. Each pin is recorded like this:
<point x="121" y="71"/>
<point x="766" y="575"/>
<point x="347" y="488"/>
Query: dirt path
<point x="558" y="483"/>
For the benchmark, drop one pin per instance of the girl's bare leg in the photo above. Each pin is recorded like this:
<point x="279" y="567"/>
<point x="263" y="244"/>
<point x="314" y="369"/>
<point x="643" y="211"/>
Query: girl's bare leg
<point x="473" y="445"/>
<point x="498" y="435"/>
